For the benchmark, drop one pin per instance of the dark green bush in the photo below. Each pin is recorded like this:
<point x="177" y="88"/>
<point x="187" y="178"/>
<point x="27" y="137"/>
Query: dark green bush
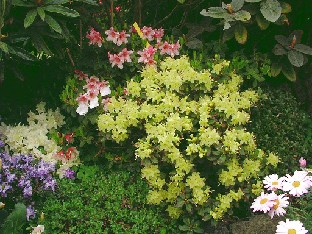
<point x="98" y="203"/>
<point x="281" y="126"/>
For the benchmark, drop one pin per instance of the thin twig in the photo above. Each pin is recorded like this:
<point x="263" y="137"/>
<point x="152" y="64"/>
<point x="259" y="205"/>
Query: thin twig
<point x="70" y="57"/>
<point x="80" y="30"/>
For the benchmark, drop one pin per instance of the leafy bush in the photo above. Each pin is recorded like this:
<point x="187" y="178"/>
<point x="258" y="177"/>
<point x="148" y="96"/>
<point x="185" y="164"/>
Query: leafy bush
<point x="280" y="126"/>
<point x="196" y="154"/>
<point x="98" y="203"/>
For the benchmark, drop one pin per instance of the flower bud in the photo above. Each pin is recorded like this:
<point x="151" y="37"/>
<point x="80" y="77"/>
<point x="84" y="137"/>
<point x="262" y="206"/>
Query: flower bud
<point x="302" y="162"/>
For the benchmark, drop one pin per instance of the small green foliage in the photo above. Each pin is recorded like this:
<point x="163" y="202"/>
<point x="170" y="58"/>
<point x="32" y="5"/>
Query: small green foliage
<point x="113" y="202"/>
<point x="281" y="126"/>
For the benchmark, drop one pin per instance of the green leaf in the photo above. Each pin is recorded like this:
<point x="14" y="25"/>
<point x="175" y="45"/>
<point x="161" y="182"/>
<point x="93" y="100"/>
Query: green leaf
<point x="14" y="222"/>
<point x="262" y="22"/>
<point x="215" y="12"/>
<point x="241" y="34"/>
<point x="276" y="69"/>
<point x="279" y="50"/>
<point x="228" y="34"/>
<point x="181" y="1"/>
<point x="242" y="15"/>
<point x="53" y="24"/>
<point x="41" y="13"/>
<point x="91" y="2"/>
<point x="40" y="44"/>
<point x="253" y="0"/>
<point x="23" y="54"/>
<point x="237" y="5"/>
<point x="30" y="18"/>
<point x="303" y="49"/>
<point x="286" y="7"/>
<point x="55" y="2"/>
<point x="295" y="58"/>
<point x="282" y="40"/>
<point x="289" y="72"/>
<point x="22" y="3"/>
<point x="61" y="10"/>
<point x="4" y="47"/>
<point x="271" y="10"/>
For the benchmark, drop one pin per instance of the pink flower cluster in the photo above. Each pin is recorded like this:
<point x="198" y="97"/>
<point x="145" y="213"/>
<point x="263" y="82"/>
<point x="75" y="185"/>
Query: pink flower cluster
<point x="274" y="204"/>
<point x="117" y="37"/>
<point x="120" y="58"/>
<point x="90" y="99"/>
<point x="152" y="34"/>
<point x="95" y="38"/>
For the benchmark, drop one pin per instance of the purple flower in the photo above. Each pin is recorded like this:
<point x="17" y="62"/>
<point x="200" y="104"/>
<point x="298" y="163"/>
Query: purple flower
<point x="70" y="174"/>
<point x="30" y="212"/>
<point x="23" y="182"/>
<point x="49" y="184"/>
<point x="10" y="177"/>
<point x="27" y="191"/>
<point x="1" y="144"/>
<point x="4" y="188"/>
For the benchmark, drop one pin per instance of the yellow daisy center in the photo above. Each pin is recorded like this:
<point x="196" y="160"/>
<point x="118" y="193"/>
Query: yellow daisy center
<point x="263" y="201"/>
<point x="275" y="183"/>
<point x="296" y="184"/>
<point x="292" y="231"/>
<point x="276" y="204"/>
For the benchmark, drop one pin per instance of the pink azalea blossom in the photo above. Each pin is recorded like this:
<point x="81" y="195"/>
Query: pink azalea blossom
<point x="82" y="104"/>
<point x="280" y="203"/>
<point x="147" y="55"/>
<point x="148" y="33"/>
<point x="106" y="102"/>
<point x="272" y="182"/>
<point x="264" y="202"/>
<point x="93" y="98"/>
<point x="302" y="162"/>
<point x="115" y="60"/>
<point x="122" y="38"/>
<point x="95" y="38"/>
<point x="112" y="35"/>
<point x="80" y="74"/>
<point x="170" y="49"/>
<point x="290" y="227"/>
<point x="104" y="88"/>
<point x="298" y="184"/>
<point x="125" y="55"/>
<point x="158" y="34"/>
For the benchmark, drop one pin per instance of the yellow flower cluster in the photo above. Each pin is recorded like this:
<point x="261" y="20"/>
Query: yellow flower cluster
<point x="185" y="116"/>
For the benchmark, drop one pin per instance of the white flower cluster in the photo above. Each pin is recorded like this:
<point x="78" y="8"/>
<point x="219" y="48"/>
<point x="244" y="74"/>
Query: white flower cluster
<point x="33" y="138"/>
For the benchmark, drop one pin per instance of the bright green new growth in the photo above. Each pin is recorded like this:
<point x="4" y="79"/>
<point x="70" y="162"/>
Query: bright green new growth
<point x="189" y="119"/>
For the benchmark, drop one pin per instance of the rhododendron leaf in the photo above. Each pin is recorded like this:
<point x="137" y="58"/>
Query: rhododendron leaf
<point x="30" y="18"/>
<point x="22" y="3"/>
<point x="61" y="10"/>
<point x="4" y="47"/>
<point x="271" y="10"/>
<point x="286" y="7"/>
<point x="241" y="34"/>
<point x="276" y="69"/>
<point x="279" y="50"/>
<point x="262" y="22"/>
<point x="215" y="12"/>
<point x="282" y="40"/>
<point x="53" y="24"/>
<point x="55" y="2"/>
<point x="40" y="44"/>
<point x="41" y="13"/>
<point x="303" y="49"/>
<point x="295" y="58"/>
<point x="237" y="4"/>
<point x="22" y="53"/>
<point x="242" y="15"/>
<point x="181" y="1"/>
<point x="289" y="72"/>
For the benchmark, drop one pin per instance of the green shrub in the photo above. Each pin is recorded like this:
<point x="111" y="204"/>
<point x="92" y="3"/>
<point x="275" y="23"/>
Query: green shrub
<point x="98" y="203"/>
<point x="197" y="157"/>
<point x="281" y="126"/>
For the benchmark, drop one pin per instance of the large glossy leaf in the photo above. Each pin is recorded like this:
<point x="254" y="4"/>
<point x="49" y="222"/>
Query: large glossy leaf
<point x="41" y="13"/>
<point x="262" y="22"/>
<point x="276" y="69"/>
<point x="22" y="3"/>
<point x="271" y="10"/>
<point x="282" y="40"/>
<point x="289" y="72"/>
<point x="295" y="58"/>
<point x="61" y="10"/>
<point x="215" y="12"/>
<point x="53" y="24"/>
<point x="303" y="49"/>
<point x="4" y="47"/>
<point x="40" y="44"/>
<point x="253" y="0"/>
<point x="14" y="222"/>
<point x="241" y="33"/>
<point x="279" y="50"/>
<point x="237" y="4"/>
<point x="242" y="15"/>
<point x="23" y="54"/>
<point x="286" y="7"/>
<point x="55" y="2"/>
<point x="30" y="18"/>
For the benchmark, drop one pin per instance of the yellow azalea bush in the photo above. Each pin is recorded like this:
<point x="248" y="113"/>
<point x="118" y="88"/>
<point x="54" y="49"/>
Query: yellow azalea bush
<point x="191" y="141"/>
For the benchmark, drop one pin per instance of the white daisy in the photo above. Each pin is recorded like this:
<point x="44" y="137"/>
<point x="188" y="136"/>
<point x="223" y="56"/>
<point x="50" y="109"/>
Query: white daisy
<point x="264" y="202"/>
<point x="297" y="184"/>
<point x="272" y="182"/>
<point x="290" y="227"/>
<point x="278" y="208"/>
